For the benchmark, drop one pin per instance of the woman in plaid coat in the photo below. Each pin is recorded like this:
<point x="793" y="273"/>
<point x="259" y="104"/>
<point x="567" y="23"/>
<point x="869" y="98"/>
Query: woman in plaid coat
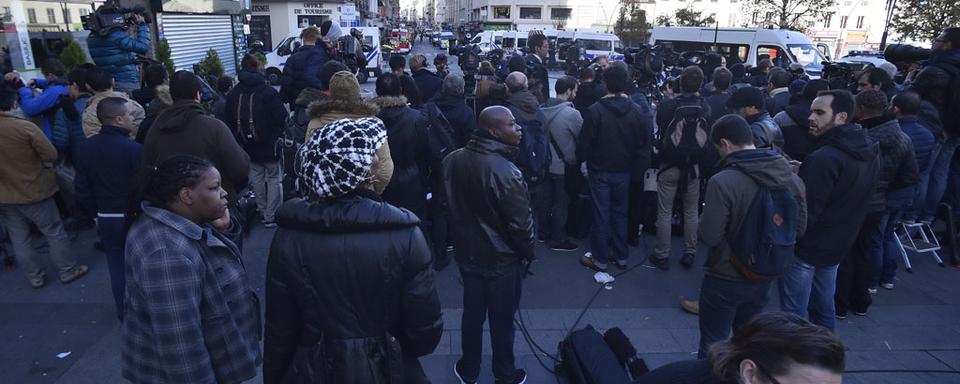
<point x="190" y="313"/>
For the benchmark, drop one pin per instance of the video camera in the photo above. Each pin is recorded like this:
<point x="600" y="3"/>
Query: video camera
<point x="903" y="53"/>
<point x="111" y="17"/>
<point x="838" y="74"/>
<point x="647" y="64"/>
<point x="468" y="57"/>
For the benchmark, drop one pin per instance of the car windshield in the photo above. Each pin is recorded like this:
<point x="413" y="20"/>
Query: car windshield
<point x="806" y="54"/>
<point x="597" y="45"/>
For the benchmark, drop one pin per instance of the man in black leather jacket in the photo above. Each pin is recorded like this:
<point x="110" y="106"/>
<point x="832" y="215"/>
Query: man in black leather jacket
<point x="492" y="239"/>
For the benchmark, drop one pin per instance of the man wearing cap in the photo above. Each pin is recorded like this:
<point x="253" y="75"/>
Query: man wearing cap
<point x="749" y="104"/>
<point x="427" y="82"/>
<point x="492" y="239"/>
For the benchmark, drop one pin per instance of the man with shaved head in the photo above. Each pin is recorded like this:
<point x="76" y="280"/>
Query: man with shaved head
<point x="492" y="239"/>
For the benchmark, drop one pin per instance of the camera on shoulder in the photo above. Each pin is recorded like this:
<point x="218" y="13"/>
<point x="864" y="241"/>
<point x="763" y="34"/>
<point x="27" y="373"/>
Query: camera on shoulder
<point x="110" y="17"/>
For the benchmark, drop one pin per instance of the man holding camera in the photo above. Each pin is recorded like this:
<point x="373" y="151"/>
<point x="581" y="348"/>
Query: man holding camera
<point x="117" y="50"/>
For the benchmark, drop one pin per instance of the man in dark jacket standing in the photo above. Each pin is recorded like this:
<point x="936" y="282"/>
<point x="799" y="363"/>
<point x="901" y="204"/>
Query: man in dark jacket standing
<point x="839" y="174"/>
<point x="778" y="91"/>
<point x="588" y="92"/>
<point x="797" y="140"/>
<point x="718" y="99"/>
<point x="492" y="239"/>
<point x="538" y="51"/>
<point x="614" y="141"/>
<point x="727" y="298"/>
<point x="749" y="104"/>
<point x="185" y="129"/>
<point x="256" y="116"/>
<point x="303" y="67"/>
<point x="106" y="165"/>
<point x="898" y="174"/>
<point x="428" y="83"/>
<point x="454" y="108"/>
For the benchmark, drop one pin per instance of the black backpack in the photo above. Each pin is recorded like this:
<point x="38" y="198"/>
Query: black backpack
<point x="440" y="134"/>
<point x="534" y="157"/>
<point x="684" y="140"/>
<point x="764" y="245"/>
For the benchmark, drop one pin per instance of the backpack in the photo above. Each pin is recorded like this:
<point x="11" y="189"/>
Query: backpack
<point x="247" y="131"/>
<point x="764" y="244"/>
<point x="534" y="157"/>
<point x="296" y="125"/>
<point x="685" y="138"/>
<point x="440" y="134"/>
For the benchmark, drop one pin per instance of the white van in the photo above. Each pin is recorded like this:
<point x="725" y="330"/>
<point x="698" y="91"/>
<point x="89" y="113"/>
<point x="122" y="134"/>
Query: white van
<point x="598" y="44"/>
<point x="488" y="40"/>
<point x="747" y="46"/>
<point x="277" y="58"/>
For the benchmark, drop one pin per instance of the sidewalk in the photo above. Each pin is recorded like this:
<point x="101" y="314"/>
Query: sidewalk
<point x="914" y="327"/>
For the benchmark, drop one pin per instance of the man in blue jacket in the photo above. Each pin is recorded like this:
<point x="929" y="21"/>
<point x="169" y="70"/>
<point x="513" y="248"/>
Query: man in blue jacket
<point x="47" y="102"/>
<point x="117" y="51"/>
<point x="302" y="69"/>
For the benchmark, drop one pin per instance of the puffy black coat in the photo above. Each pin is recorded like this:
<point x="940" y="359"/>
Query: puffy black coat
<point x="617" y="136"/>
<point x="303" y="71"/>
<point x="898" y="164"/>
<point x="407" y="137"/>
<point x="933" y="84"/>
<point x="428" y="83"/>
<point x="461" y="117"/>
<point x="797" y="140"/>
<point x="489" y="209"/>
<point x="838" y="176"/>
<point x="268" y="112"/>
<point x="351" y="274"/>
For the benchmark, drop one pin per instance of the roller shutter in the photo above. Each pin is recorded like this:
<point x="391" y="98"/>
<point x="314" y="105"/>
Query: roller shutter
<point x="190" y="36"/>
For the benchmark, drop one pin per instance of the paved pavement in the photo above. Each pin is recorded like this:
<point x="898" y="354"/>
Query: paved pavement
<point x="912" y="333"/>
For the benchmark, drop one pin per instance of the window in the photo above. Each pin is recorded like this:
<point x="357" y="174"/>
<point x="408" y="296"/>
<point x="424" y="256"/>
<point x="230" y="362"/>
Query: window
<point x="66" y="15"/>
<point x="827" y="18"/>
<point x="84" y="11"/>
<point x="774" y="53"/>
<point x="501" y="12"/>
<point x="51" y="16"/>
<point x="32" y="15"/>
<point x="531" y="13"/>
<point x="597" y="45"/>
<point x="560" y="13"/>
<point x="843" y="21"/>
<point x="859" y="22"/>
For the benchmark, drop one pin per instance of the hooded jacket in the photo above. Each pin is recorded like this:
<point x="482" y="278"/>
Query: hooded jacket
<point x="407" y="138"/>
<point x="898" y="164"/>
<point x="616" y="136"/>
<point x="91" y="124"/>
<point x="563" y="124"/>
<point x="460" y="116"/>
<point x="838" y="175"/>
<point x="161" y="101"/>
<point x="268" y="113"/>
<point x="428" y="83"/>
<point x="44" y="105"/>
<point x="727" y="202"/>
<point x="524" y="102"/>
<point x="67" y="131"/>
<point x="778" y="99"/>
<point x="588" y="92"/>
<point x="490" y="219"/>
<point x="922" y="139"/>
<point x="117" y="51"/>
<point x="933" y="83"/>
<point x="326" y="111"/>
<point x="353" y="273"/>
<point x="797" y="140"/>
<point x="185" y="129"/>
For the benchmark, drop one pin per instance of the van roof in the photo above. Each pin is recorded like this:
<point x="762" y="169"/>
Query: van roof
<point x="596" y="36"/>
<point x="727" y="34"/>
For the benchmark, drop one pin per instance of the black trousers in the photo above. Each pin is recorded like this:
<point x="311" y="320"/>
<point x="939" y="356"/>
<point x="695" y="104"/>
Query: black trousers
<point x="493" y="294"/>
<point x="856" y="271"/>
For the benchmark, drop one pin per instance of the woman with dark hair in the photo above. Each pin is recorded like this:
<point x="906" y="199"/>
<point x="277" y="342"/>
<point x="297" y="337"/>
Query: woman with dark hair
<point x="190" y="313"/>
<point x="773" y="348"/>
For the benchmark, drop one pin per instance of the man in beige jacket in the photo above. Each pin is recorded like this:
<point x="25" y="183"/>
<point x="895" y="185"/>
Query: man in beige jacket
<point x="101" y="83"/>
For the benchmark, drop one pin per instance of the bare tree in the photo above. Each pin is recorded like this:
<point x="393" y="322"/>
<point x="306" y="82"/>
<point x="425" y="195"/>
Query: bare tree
<point x="789" y="14"/>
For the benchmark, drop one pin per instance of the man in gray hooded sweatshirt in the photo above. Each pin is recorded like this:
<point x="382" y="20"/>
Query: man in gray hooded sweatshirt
<point x="563" y="123"/>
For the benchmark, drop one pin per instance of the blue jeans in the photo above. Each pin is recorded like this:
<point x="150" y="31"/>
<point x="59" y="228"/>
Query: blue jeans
<point x="886" y="269"/>
<point x="725" y="305"/>
<point x="496" y="295"/>
<point x="610" y="193"/>
<point x="113" y="239"/>
<point x="808" y="291"/>
<point x="942" y="155"/>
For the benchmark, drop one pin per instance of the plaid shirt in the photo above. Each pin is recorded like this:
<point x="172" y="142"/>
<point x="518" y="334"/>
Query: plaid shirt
<point x="190" y="313"/>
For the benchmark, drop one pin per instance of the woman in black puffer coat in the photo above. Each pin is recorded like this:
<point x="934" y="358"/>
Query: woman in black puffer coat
<point x="350" y="294"/>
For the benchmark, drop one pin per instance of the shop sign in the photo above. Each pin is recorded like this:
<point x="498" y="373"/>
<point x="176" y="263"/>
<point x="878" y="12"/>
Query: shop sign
<point x="260" y="8"/>
<point x="312" y="9"/>
<point x="501" y="12"/>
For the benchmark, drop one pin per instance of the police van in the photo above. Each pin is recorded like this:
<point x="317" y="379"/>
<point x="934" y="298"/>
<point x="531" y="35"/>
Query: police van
<point x="742" y="45"/>
<point x="277" y="58"/>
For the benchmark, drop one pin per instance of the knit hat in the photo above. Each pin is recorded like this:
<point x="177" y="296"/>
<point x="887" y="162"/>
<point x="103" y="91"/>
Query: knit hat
<point x="746" y="97"/>
<point x="796" y="86"/>
<point x="738" y="71"/>
<point x="337" y="158"/>
<point x="344" y="86"/>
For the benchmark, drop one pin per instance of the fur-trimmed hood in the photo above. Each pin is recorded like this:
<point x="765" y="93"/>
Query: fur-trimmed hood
<point x="320" y="108"/>
<point x="389" y="101"/>
<point x="163" y="94"/>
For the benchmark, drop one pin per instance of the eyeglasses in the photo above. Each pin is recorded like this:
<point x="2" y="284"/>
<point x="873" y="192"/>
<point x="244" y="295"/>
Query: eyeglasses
<point x="766" y="373"/>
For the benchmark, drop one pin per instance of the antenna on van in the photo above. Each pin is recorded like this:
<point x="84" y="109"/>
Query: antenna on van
<point x="716" y="31"/>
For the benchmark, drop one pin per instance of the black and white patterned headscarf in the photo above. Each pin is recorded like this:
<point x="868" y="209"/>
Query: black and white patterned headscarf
<point x="337" y="158"/>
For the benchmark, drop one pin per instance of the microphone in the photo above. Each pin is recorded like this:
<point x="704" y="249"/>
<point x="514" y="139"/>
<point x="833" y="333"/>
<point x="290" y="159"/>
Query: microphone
<point x="625" y="352"/>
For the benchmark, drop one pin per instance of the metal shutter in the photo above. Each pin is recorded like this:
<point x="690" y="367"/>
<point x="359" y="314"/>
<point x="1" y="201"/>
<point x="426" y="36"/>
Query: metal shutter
<point x="191" y="36"/>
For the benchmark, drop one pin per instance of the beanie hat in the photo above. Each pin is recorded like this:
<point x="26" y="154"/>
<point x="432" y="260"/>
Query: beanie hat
<point x="337" y="158"/>
<point x="796" y="86"/>
<point x="746" y="97"/>
<point x="344" y="86"/>
<point x="738" y="71"/>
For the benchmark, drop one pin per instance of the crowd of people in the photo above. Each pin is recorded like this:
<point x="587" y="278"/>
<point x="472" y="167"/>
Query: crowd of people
<point x="787" y="181"/>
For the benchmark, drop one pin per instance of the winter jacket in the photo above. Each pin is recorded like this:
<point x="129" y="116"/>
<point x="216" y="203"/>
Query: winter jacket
<point x="839" y="175"/>
<point x="185" y="129"/>
<point x="777" y="100"/>
<point x="539" y="79"/>
<point x="354" y="274"/>
<point x="428" y="83"/>
<point x="327" y="111"/>
<point x="190" y="314"/>
<point x="411" y="91"/>
<point x="296" y="126"/>
<point x="588" y="92"/>
<point x="160" y="102"/>
<point x="718" y="105"/>
<point x="797" y="140"/>
<point x="268" y="113"/>
<point x="460" y="116"/>
<point x="91" y="124"/>
<point x="525" y="103"/>
<point x="933" y="84"/>
<point x="44" y="105"/>
<point x="117" y="51"/>
<point x="26" y="162"/>
<point x="106" y="165"/>
<point x="563" y="123"/>
<point x="144" y="96"/>
<point x="766" y="133"/>
<point x="727" y="202"/>
<point x="922" y="139"/>
<point x="616" y="137"/>
<point x="302" y="70"/>
<point x="68" y="125"/>
<point x="490" y="219"/>
<point x="668" y="109"/>
<point x="898" y="164"/>
<point x="407" y="137"/>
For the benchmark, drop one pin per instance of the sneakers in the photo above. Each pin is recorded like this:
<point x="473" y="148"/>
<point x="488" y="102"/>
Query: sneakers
<point x="661" y="264"/>
<point x="269" y="224"/>
<point x="621" y="265"/>
<point x="841" y="316"/>
<point x="519" y="377"/>
<point x="691" y="306"/>
<point x="73" y="274"/>
<point x="860" y="313"/>
<point x="687" y="260"/>
<point x="564" y="246"/>
<point x="588" y="261"/>
<point x="888" y="286"/>
<point x="38" y="282"/>
<point x="456" y="371"/>
<point x="872" y="291"/>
